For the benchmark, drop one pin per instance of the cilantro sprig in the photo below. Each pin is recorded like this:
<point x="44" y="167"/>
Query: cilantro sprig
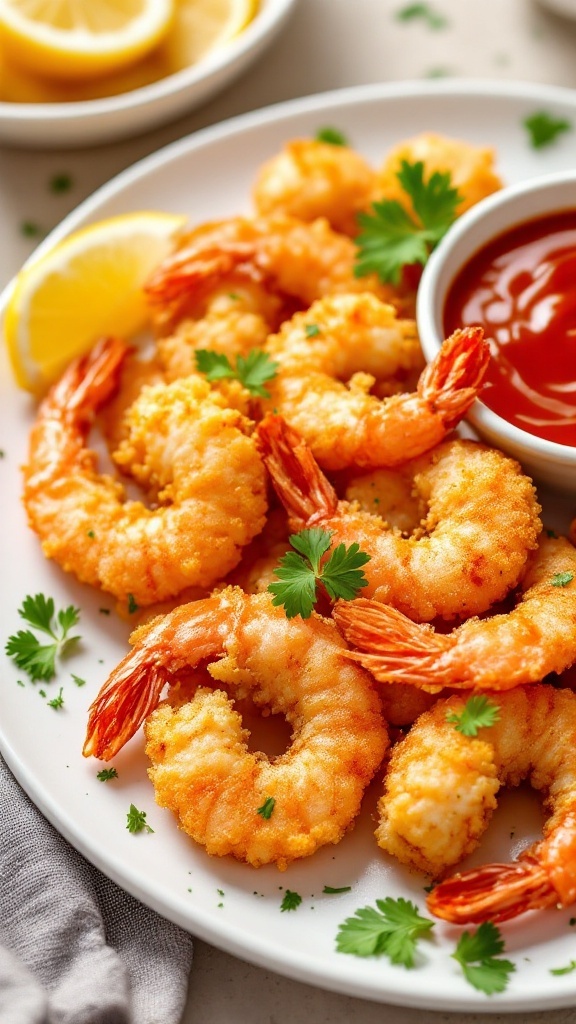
<point x="38" y="660"/>
<point x="477" y="955"/>
<point x="543" y="128"/>
<point x="392" y="929"/>
<point x="136" y="820"/>
<point x="290" y="901"/>
<point x="477" y="713"/>
<point x="391" y="238"/>
<point x="300" y="572"/>
<point x="252" y="370"/>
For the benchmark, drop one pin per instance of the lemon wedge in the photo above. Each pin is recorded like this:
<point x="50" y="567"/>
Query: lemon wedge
<point x="87" y="286"/>
<point x="76" y="39"/>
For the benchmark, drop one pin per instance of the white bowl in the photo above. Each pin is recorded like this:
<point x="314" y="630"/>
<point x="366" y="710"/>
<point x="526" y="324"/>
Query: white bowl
<point x="548" y="462"/>
<point x="129" y="113"/>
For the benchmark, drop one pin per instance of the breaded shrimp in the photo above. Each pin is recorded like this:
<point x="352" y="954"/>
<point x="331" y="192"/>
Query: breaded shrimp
<point x="201" y="766"/>
<point x="471" y="168"/>
<point x="310" y="179"/>
<point x="440" y="793"/>
<point x="479" y="520"/>
<point x="280" y="255"/>
<point x="356" y="338"/>
<point x="182" y="445"/>
<point x="522" y="646"/>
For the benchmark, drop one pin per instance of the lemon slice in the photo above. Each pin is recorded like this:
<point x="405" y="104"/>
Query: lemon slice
<point x="78" y="39"/>
<point x="202" y="25"/>
<point x="88" y="285"/>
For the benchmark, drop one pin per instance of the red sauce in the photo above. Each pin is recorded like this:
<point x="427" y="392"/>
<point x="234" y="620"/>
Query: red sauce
<point x="521" y="288"/>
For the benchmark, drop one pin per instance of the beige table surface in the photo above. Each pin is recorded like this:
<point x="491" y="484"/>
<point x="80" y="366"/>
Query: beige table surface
<point x="327" y="44"/>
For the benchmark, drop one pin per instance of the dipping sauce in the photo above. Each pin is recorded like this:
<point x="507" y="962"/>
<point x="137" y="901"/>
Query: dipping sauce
<point x="521" y="288"/>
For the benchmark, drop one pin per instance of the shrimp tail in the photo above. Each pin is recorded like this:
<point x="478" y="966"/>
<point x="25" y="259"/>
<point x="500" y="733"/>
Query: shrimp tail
<point x="88" y="381"/>
<point x="391" y="646"/>
<point x="494" y="892"/>
<point x="450" y="383"/>
<point x="130" y="694"/>
<point x="305" y="492"/>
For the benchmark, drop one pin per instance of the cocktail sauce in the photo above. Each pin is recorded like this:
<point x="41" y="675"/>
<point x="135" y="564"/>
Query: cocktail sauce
<point x="521" y="288"/>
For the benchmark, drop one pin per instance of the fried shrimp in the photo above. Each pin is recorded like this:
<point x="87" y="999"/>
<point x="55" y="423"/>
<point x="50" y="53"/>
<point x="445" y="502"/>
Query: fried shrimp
<point x="310" y="179"/>
<point x="522" y="646"/>
<point x="479" y="519"/>
<point x="471" y="168"/>
<point x="182" y="445"/>
<point x="441" y="791"/>
<point x="201" y="766"/>
<point x="279" y="256"/>
<point x="360" y="338"/>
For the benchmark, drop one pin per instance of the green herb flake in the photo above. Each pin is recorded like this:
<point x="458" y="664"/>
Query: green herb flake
<point x="392" y="929"/>
<point x="132" y="606"/>
<point x="331" y="135"/>
<point x="290" y="901"/>
<point x="60" y="183"/>
<point x="36" y="659"/>
<point x="477" y="955"/>
<point x="562" y="579"/>
<point x="252" y="370"/>
<point x="299" y="572"/>
<point x="543" y="128"/>
<point x="30" y="229"/>
<point x="265" y="811"/>
<point x="564" y="970"/>
<point x="78" y="680"/>
<point x="478" y="713"/>
<point x="136" y="820"/>
<point x="91" y="534"/>
<point x="106" y="774"/>
<point x="422" y="12"/>
<point x="331" y="891"/>
<point x="56" y="702"/>
<point x="312" y="330"/>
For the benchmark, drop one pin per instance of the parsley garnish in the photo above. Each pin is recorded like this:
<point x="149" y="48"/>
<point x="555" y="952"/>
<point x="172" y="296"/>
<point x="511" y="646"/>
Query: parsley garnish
<point x="267" y="807"/>
<point x="31" y="230"/>
<point x="331" y="135"/>
<point x="543" y="128"/>
<point x="392" y="929"/>
<point x="564" y="970"/>
<point x="56" y="702"/>
<point x="476" y="955"/>
<point x="298" y="574"/>
<point x="330" y="891"/>
<point x="60" y="183"/>
<point x="291" y="900"/>
<point x="477" y="713"/>
<point x="136" y="820"/>
<point x="562" y="579"/>
<point x="252" y="370"/>
<point x="312" y="330"/>
<point x="106" y="774"/>
<point x="78" y="680"/>
<point x="39" y="660"/>
<point x="424" y="12"/>
<point x="391" y="238"/>
<point x="132" y="606"/>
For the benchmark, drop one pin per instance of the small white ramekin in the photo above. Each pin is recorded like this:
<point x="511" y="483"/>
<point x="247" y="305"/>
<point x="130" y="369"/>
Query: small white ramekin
<point x="547" y="462"/>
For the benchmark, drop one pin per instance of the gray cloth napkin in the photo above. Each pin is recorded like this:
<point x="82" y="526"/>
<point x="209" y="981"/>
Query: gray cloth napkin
<point x="74" y="948"/>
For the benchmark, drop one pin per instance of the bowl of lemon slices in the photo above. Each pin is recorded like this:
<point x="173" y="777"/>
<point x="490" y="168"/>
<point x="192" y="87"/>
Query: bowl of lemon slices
<point x="79" y="73"/>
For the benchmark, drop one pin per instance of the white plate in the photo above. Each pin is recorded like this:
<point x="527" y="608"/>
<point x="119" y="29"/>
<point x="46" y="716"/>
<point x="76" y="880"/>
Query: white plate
<point x="210" y="175"/>
<point x="127" y="114"/>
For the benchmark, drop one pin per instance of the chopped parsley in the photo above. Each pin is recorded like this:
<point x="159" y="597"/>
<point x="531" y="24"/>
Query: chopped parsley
<point x="252" y="370"/>
<point x="562" y="579"/>
<point x="543" y="128"/>
<point x="392" y="929"/>
<point x="476" y="953"/>
<point x="564" y="970"/>
<point x="136" y="820"/>
<point x="132" y="606"/>
<point x="331" y="891"/>
<point x="60" y="183"/>
<point x="267" y="807"/>
<point x="30" y="229"/>
<point x="290" y="901"/>
<point x="56" y="702"/>
<point x="298" y="574"/>
<point x="477" y="713"/>
<point x="36" y="659"/>
<point x="312" y="330"/>
<point x="422" y="12"/>
<point x="390" y="237"/>
<point x="106" y="774"/>
<point x="331" y="135"/>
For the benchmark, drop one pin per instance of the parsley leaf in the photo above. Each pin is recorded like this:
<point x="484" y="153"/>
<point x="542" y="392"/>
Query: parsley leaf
<point x="298" y="574"/>
<point x="36" y="659"/>
<point x="476" y="953"/>
<point x="291" y="900"/>
<point x="424" y="12"/>
<point x="564" y="970"/>
<point x="331" y="135"/>
<point x="106" y="774"/>
<point x="57" y="702"/>
<point x="477" y="713"/>
<point x="392" y="929"/>
<point x="391" y="238"/>
<point x="562" y="579"/>
<point x="542" y="128"/>
<point x="267" y="807"/>
<point x="252" y="370"/>
<point x="136" y="820"/>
